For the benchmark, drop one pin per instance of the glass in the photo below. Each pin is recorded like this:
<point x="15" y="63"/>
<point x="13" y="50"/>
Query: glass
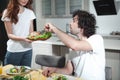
<point x="67" y="28"/>
<point x="1" y="67"/>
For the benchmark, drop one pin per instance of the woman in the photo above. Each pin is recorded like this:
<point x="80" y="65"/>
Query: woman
<point x="89" y="63"/>
<point x="18" y="19"/>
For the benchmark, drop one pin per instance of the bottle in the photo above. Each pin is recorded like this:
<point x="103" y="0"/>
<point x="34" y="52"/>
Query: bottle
<point x="1" y="65"/>
<point x="67" y="28"/>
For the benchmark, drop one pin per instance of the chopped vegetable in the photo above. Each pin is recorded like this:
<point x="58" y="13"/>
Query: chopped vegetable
<point x="18" y="77"/>
<point x="43" y="36"/>
<point x="22" y="69"/>
<point x="14" y="70"/>
<point x="60" y="77"/>
<point x="18" y="70"/>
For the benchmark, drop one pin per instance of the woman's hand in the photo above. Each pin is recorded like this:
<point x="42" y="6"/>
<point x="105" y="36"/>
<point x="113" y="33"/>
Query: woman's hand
<point x="48" y="71"/>
<point x="27" y="40"/>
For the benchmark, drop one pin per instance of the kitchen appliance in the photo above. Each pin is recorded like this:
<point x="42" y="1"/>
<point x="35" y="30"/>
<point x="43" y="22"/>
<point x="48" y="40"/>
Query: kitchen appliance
<point x="105" y="7"/>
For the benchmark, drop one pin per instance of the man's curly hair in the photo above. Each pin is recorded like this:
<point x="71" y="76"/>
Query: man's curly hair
<point x="86" y="21"/>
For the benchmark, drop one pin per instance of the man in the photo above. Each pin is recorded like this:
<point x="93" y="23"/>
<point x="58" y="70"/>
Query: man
<point x="90" y="62"/>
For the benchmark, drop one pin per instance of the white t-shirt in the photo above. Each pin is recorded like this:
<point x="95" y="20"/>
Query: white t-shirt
<point x="20" y="29"/>
<point x="90" y="65"/>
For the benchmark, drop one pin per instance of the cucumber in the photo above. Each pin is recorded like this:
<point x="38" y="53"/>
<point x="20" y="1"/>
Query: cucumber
<point x="45" y="35"/>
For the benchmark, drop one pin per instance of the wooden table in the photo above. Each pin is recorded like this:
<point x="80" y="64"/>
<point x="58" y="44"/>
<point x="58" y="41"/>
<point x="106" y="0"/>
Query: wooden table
<point x="33" y="75"/>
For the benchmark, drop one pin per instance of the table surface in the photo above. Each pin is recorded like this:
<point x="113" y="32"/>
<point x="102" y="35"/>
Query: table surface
<point x="34" y="75"/>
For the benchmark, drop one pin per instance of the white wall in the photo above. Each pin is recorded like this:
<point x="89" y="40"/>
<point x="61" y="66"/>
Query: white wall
<point x="106" y="23"/>
<point x="60" y="22"/>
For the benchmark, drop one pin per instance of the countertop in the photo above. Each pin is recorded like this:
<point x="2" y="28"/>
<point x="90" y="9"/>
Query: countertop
<point x="52" y="40"/>
<point x="112" y="43"/>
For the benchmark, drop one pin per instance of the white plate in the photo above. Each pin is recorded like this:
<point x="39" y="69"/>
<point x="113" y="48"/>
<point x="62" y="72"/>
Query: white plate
<point x="20" y="73"/>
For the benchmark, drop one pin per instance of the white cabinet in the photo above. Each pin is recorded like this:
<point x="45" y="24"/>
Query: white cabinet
<point x="40" y="49"/>
<point x="62" y="8"/>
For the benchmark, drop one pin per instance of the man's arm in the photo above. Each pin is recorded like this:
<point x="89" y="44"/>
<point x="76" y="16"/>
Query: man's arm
<point x="68" y="69"/>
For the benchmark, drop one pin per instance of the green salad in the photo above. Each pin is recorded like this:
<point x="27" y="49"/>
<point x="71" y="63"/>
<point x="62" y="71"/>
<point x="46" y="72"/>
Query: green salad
<point x="18" y="70"/>
<point x="18" y="77"/>
<point x="61" y="77"/>
<point x="43" y="36"/>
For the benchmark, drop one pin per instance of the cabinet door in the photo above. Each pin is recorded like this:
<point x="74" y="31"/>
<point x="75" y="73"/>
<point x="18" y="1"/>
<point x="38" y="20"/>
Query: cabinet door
<point x="46" y="7"/>
<point x="60" y="7"/>
<point x="74" y="5"/>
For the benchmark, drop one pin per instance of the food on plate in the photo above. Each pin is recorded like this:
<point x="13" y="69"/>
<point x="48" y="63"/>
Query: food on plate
<point x="38" y="36"/>
<point x="60" y="77"/>
<point x="14" y="70"/>
<point x="18" y="77"/>
<point x="23" y="69"/>
<point x="37" y="75"/>
<point x="32" y="35"/>
<point x="20" y="69"/>
<point x="45" y="35"/>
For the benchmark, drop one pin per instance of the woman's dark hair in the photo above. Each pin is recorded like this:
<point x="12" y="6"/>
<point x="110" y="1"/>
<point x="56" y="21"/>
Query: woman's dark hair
<point x="86" y="21"/>
<point x="13" y="9"/>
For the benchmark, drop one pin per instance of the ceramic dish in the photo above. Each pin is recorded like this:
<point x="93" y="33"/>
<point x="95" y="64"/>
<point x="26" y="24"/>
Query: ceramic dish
<point x="27" y="70"/>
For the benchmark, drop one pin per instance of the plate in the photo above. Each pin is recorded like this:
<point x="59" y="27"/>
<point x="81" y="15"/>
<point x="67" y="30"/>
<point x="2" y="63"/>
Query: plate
<point x="42" y="39"/>
<point x="68" y="77"/>
<point x="27" y="70"/>
<point x="44" y="36"/>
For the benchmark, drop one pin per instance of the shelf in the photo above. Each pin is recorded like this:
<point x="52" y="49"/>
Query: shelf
<point x="115" y="37"/>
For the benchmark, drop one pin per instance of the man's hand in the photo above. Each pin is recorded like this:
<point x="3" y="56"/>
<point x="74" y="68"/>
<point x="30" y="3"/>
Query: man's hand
<point x="49" y="27"/>
<point x="48" y="71"/>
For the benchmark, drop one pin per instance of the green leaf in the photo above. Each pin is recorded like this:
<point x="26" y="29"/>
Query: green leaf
<point x="20" y="78"/>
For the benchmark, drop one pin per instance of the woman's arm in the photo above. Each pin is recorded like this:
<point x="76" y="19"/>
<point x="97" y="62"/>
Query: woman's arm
<point x="8" y="27"/>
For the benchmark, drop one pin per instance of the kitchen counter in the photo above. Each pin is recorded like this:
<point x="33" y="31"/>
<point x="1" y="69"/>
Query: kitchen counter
<point x="112" y="43"/>
<point x="53" y="41"/>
